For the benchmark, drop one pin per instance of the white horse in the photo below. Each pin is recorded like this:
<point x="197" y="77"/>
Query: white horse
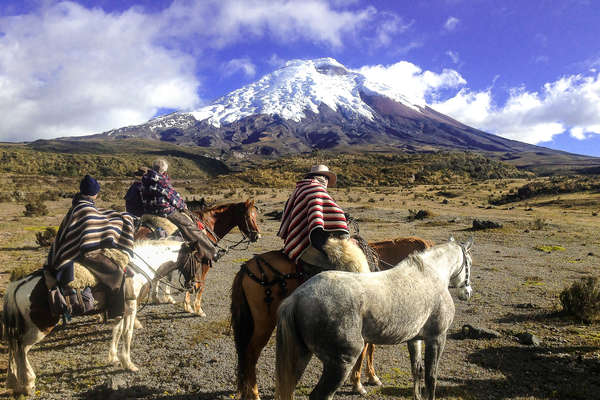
<point x="27" y="318"/>
<point x="333" y="314"/>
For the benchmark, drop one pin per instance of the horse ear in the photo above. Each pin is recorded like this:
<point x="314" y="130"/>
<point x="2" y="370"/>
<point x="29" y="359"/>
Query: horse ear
<point x="249" y="202"/>
<point x="468" y="244"/>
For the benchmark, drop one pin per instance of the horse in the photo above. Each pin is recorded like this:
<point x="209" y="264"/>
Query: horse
<point x="254" y="305"/>
<point x="334" y="313"/>
<point x="27" y="319"/>
<point x="218" y="221"/>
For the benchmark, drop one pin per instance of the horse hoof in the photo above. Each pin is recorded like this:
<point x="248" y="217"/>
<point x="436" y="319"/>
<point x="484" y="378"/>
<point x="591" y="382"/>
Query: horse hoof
<point x="201" y="313"/>
<point x="170" y="300"/>
<point x="132" y="368"/>
<point x="137" y="324"/>
<point x="11" y="382"/>
<point x="359" y="388"/>
<point x="375" y="381"/>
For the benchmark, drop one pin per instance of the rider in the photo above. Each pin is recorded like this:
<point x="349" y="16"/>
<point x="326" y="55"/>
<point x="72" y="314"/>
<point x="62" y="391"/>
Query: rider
<point x="83" y="232"/>
<point x="310" y="217"/>
<point x="133" y="198"/>
<point x="160" y="198"/>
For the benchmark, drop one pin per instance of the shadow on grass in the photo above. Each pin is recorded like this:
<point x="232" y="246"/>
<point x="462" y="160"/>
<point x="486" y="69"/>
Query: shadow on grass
<point x="142" y="392"/>
<point x="23" y="248"/>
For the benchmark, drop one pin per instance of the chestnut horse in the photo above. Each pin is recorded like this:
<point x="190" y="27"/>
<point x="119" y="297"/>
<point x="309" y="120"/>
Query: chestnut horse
<point x="254" y="307"/>
<point x="219" y="221"/>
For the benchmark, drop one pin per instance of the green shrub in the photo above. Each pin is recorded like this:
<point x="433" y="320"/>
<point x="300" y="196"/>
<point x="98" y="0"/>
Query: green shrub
<point x="46" y="238"/>
<point x="582" y="299"/>
<point x="419" y="214"/>
<point x="35" y="208"/>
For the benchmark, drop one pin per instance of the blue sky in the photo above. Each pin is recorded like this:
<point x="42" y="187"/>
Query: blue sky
<point x="526" y="70"/>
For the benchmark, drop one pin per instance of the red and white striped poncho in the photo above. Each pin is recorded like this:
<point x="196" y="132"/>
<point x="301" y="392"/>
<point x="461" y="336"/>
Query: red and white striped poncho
<point x="309" y="207"/>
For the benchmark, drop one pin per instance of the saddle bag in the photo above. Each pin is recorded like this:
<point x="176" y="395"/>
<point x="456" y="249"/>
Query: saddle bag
<point x="80" y="302"/>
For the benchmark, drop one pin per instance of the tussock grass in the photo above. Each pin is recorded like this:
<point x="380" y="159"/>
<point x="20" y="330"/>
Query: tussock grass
<point x="549" y="248"/>
<point x="582" y="299"/>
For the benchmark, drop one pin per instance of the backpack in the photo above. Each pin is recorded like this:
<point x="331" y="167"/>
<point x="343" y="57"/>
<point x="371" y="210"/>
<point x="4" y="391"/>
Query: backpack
<point x="133" y="199"/>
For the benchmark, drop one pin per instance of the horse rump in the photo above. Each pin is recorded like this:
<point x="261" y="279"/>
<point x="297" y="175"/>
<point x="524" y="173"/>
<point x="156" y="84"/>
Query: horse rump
<point x="291" y="356"/>
<point x="242" y="324"/>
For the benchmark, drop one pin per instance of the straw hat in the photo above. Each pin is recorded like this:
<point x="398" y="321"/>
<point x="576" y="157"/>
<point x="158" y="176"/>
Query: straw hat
<point x="323" y="171"/>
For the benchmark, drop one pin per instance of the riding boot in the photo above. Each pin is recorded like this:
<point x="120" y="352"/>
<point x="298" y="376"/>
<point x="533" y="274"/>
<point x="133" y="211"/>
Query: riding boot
<point x="192" y="234"/>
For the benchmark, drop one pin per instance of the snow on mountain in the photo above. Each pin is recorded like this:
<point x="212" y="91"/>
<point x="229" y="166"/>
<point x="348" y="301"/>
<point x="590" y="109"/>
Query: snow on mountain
<point x="299" y="86"/>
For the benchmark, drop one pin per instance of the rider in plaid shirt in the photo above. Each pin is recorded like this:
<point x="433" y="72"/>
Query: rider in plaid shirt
<point x="160" y="198"/>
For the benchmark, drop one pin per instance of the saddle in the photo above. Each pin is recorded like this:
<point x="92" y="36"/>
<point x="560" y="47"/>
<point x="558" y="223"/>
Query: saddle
<point x="160" y="227"/>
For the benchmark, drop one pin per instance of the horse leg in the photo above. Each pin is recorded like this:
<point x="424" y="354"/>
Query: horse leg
<point x="164" y="270"/>
<point x="114" y="344"/>
<point x="247" y="385"/>
<point x="416" y="364"/>
<point x="25" y="374"/>
<point x="373" y="379"/>
<point x="11" y="371"/>
<point x="201" y="284"/>
<point x="334" y="373"/>
<point x="433" y="351"/>
<point x="128" y="327"/>
<point x="355" y="375"/>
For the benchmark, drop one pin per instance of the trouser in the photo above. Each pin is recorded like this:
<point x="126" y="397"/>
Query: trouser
<point x="190" y="232"/>
<point x="109" y="274"/>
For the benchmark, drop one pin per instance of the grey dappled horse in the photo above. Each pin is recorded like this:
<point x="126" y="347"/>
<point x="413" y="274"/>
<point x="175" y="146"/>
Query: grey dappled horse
<point x="334" y="313"/>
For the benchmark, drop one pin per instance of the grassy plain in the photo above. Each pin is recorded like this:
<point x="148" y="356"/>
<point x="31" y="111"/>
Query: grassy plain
<point x="546" y="242"/>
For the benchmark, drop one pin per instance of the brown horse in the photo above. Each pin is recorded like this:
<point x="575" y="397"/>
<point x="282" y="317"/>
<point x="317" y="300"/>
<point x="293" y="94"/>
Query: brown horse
<point x="254" y="303"/>
<point x="219" y="221"/>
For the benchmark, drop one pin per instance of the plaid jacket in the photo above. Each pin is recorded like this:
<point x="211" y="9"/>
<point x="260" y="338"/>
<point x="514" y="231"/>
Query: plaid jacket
<point x="158" y="196"/>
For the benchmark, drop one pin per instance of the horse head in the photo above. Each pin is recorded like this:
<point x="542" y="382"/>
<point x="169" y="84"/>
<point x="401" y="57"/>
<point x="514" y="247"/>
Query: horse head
<point x="189" y="261"/>
<point x="462" y="278"/>
<point x="248" y="224"/>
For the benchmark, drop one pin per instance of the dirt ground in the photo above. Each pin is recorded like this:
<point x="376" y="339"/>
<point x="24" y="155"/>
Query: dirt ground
<point x="516" y="287"/>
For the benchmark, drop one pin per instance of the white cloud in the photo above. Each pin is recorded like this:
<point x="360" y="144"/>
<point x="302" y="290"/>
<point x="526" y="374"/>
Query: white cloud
<point x="571" y="104"/>
<point x="453" y="56"/>
<point x="276" y="61"/>
<point x="222" y="22"/>
<point x="451" y="24"/>
<point x="69" y="71"/>
<point x="389" y="26"/>
<point x="243" y="65"/>
<point x="410" y="80"/>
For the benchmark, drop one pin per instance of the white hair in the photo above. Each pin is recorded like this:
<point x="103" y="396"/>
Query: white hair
<point x="160" y="165"/>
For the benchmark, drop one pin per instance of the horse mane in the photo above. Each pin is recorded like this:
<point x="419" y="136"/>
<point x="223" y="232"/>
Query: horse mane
<point x="415" y="260"/>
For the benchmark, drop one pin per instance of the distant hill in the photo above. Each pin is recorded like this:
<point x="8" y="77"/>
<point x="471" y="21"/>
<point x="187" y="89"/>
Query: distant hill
<point x="104" y="158"/>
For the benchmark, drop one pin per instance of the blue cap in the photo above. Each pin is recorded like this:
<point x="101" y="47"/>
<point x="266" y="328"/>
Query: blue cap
<point x="89" y="186"/>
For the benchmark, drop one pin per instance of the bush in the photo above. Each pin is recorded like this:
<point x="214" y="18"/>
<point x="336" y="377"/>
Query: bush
<point x="35" y="209"/>
<point x="582" y="299"/>
<point x="420" y="214"/>
<point x="46" y="238"/>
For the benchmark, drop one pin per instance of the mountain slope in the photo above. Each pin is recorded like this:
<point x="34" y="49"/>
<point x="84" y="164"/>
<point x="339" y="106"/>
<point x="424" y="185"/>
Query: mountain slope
<point x="320" y="104"/>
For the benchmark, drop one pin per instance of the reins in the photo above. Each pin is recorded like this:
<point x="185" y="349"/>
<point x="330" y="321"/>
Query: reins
<point x="462" y="267"/>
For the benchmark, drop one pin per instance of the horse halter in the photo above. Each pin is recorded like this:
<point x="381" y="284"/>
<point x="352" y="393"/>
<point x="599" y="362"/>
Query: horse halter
<point x="466" y="265"/>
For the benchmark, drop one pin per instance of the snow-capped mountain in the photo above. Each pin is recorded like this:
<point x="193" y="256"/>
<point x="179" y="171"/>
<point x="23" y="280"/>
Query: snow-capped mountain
<point x="317" y="103"/>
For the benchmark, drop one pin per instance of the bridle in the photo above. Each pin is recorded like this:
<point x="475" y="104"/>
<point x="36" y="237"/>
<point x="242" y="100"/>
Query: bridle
<point x="464" y="266"/>
<point x="188" y="262"/>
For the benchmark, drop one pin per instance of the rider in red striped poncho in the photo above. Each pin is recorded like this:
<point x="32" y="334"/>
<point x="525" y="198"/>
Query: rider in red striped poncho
<point x="311" y="216"/>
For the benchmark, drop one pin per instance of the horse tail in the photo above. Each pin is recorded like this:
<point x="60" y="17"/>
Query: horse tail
<point x="13" y="323"/>
<point x="242" y="324"/>
<point x="288" y="351"/>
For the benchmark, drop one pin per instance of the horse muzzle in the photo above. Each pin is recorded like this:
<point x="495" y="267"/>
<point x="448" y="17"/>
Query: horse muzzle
<point x="464" y="293"/>
<point x="254" y="236"/>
